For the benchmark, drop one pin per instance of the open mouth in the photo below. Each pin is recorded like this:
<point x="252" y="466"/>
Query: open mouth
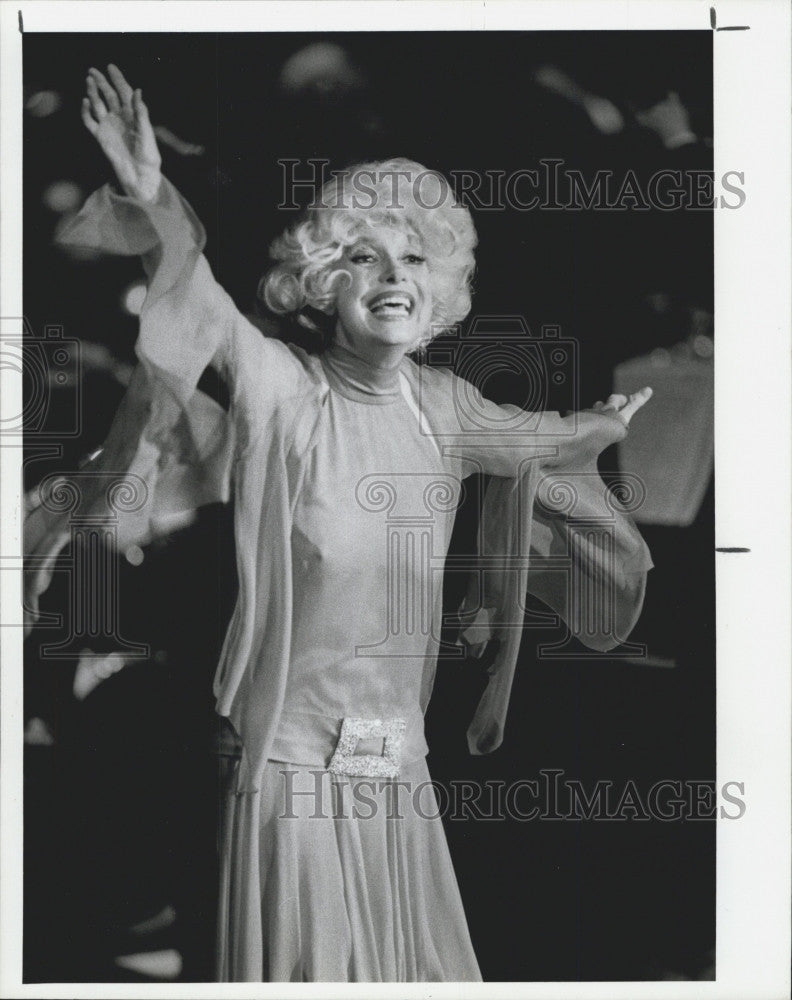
<point x="392" y="305"/>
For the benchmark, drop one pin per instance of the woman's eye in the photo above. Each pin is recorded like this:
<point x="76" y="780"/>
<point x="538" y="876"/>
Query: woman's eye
<point x="362" y="257"/>
<point x="415" y="258"/>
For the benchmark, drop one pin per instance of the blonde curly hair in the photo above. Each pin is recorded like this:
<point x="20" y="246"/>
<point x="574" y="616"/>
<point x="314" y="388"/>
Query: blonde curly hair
<point x="397" y="192"/>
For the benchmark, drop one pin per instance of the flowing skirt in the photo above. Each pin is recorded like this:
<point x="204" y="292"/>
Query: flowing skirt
<point x="354" y="882"/>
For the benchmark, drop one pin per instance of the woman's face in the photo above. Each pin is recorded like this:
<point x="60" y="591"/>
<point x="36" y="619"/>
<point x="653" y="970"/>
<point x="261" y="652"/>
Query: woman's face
<point x="388" y="301"/>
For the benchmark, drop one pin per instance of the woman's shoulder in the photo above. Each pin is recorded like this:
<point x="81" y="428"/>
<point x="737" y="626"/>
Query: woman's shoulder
<point x="271" y="357"/>
<point x="439" y="385"/>
<point x="269" y="338"/>
<point x="436" y="383"/>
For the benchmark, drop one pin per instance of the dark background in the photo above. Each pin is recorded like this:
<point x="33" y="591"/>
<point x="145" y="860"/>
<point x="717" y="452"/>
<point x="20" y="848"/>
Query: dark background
<point x="120" y="811"/>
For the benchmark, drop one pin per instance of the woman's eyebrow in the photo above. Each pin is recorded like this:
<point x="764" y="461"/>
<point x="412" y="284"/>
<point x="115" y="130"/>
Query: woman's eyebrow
<point x="361" y="243"/>
<point x="414" y="244"/>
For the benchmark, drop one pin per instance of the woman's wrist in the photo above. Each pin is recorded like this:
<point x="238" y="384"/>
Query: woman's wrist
<point x="146" y="190"/>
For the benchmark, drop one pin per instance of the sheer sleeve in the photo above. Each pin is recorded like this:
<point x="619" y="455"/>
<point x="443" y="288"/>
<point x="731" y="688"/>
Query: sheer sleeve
<point x="503" y="439"/>
<point x="188" y="321"/>
<point x="172" y="446"/>
<point x="549" y="527"/>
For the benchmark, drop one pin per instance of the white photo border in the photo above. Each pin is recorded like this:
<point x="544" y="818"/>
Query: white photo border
<point x="753" y="263"/>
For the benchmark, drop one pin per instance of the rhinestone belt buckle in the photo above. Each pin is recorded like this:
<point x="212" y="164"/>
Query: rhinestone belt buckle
<point x="369" y="765"/>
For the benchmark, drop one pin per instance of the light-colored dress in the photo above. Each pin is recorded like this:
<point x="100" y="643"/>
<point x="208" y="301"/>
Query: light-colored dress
<point x="358" y="890"/>
<point x="345" y="480"/>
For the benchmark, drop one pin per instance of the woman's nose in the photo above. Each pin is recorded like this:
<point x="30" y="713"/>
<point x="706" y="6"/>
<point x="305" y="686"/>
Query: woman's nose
<point x="393" y="272"/>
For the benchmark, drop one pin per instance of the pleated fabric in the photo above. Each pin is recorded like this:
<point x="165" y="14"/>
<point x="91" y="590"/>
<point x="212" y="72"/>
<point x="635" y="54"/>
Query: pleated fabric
<point x="354" y="883"/>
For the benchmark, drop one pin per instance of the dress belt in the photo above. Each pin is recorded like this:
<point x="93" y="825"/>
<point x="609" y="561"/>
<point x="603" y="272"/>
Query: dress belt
<point x="354" y="745"/>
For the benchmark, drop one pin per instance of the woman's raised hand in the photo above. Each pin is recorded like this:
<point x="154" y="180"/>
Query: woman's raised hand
<point x="117" y="118"/>
<point x="624" y="407"/>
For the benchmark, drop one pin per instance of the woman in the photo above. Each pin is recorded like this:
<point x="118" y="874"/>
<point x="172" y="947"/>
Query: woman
<point x="345" y="466"/>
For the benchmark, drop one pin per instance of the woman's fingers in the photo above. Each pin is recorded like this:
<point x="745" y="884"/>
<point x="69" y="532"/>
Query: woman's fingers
<point x="98" y="108"/>
<point x="139" y="108"/>
<point x="121" y="85"/>
<point x="615" y="402"/>
<point x="88" y="119"/>
<point x="624" y="407"/>
<point x="634" y="403"/>
<point x="106" y="90"/>
<point x="148" y="150"/>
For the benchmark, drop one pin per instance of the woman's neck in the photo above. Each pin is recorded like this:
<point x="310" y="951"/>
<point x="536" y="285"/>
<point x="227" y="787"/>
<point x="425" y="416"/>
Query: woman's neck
<point x="360" y="379"/>
<point x="382" y="357"/>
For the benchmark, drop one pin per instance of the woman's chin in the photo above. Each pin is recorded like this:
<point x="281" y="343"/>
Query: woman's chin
<point x="384" y="335"/>
<point x="392" y="335"/>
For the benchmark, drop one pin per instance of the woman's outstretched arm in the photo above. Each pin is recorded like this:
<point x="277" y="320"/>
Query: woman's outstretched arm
<point x="173" y="443"/>
<point x="500" y="439"/>
<point x="188" y="321"/>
